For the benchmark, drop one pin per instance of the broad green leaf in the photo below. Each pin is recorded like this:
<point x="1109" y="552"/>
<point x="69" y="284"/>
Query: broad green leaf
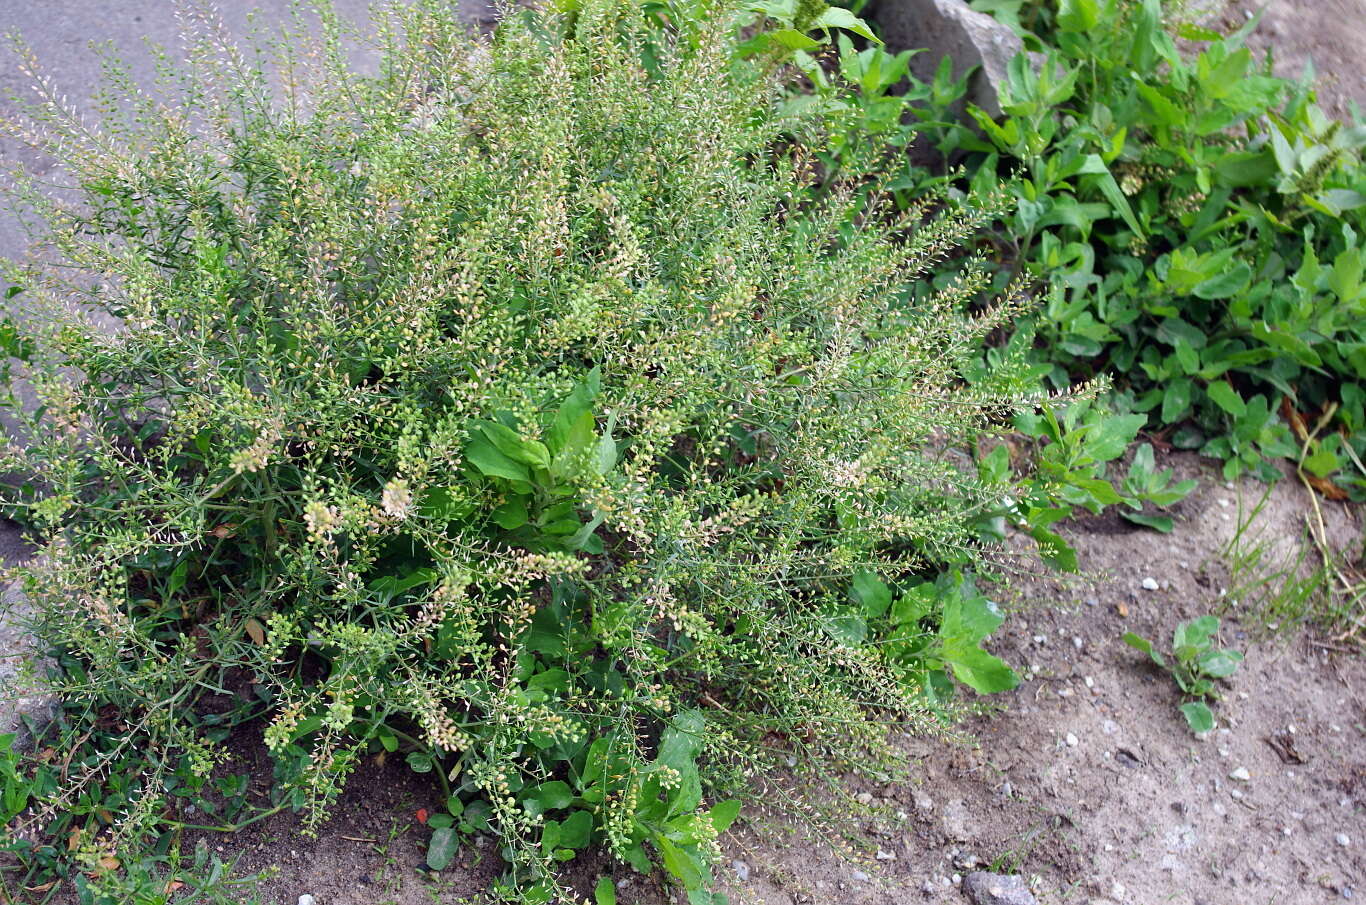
<point x="871" y="593"/>
<point x="1227" y="398"/>
<point x="914" y="604"/>
<point x="575" y="406"/>
<point x="491" y="461"/>
<point x="511" y="515"/>
<point x="1176" y="399"/>
<point x="1246" y="168"/>
<point x="1220" y="664"/>
<point x="983" y="672"/>
<point x="723" y="814"/>
<point x="839" y="17"/>
<point x="607" y="447"/>
<point x="849" y="629"/>
<point x="1195" y="633"/>
<point x="1112" y="435"/>
<point x="1345" y="277"/>
<point x="1053" y="550"/>
<point x="792" y="39"/>
<point x="1198" y="716"/>
<point x="552" y="795"/>
<point x="605" y="893"/>
<point x="1287" y="342"/>
<point x="1078" y="15"/>
<point x="682" y="864"/>
<point x="576" y="830"/>
<point x="1160" y="523"/>
<point x="514" y="445"/>
<point x="968" y="618"/>
<point x="442" y="848"/>
<point x="1192" y="32"/>
<point x="1226" y="284"/>
<point x="1098" y="489"/>
<point x="680" y="743"/>
<point x="579" y="440"/>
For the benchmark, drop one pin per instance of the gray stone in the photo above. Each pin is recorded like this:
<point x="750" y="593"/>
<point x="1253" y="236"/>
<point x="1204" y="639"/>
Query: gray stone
<point x="950" y="28"/>
<point x="984" y="888"/>
<point x="958" y="821"/>
<point x="20" y="702"/>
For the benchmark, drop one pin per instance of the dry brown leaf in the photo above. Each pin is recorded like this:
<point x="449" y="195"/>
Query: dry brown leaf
<point x="1294" y="419"/>
<point x="1326" y="488"/>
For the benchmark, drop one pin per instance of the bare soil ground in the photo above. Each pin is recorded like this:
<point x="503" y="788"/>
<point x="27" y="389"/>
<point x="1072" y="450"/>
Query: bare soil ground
<point x="1086" y="778"/>
<point x="1330" y="33"/>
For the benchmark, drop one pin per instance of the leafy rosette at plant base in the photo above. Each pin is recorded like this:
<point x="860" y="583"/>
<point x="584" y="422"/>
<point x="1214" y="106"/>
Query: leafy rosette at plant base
<point x="517" y="412"/>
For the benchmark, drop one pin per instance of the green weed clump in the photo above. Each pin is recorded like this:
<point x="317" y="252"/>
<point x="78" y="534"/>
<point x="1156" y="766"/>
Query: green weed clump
<point x="1193" y="220"/>
<point x="519" y="412"/>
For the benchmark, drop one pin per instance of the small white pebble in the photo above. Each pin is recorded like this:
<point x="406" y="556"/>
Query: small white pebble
<point x="1090" y="682"/>
<point x="1343" y="839"/>
<point x="1235" y="794"/>
<point x="1064" y="692"/>
<point x="957" y="879"/>
<point x="306" y="899"/>
<point x="1071" y="740"/>
<point x="1240" y="774"/>
<point x="864" y="798"/>
<point x="1040" y="639"/>
<point x="1150" y="584"/>
<point x="885" y="855"/>
<point x="1077" y="642"/>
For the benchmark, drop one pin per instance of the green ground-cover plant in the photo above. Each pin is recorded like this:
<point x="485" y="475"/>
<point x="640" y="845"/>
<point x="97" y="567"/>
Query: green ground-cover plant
<point x="1195" y="664"/>
<point x="1196" y="220"/>
<point x="520" y="411"/>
